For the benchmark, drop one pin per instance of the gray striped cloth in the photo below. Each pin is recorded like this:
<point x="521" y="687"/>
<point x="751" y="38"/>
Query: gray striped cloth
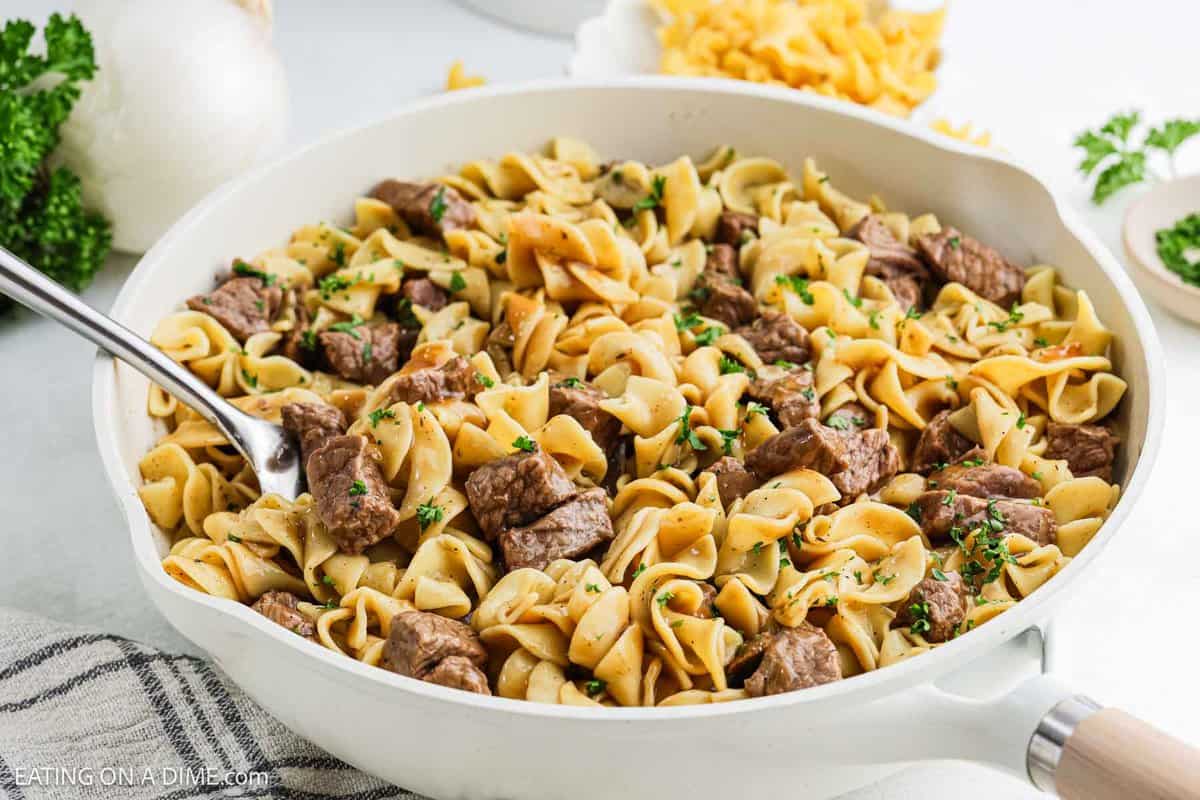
<point x="91" y="715"/>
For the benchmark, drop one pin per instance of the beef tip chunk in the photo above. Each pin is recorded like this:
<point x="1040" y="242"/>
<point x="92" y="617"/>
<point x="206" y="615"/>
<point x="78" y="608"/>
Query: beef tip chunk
<point x="940" y="443"/>
<point x="735" y="228"/>
<point x="790" y="394"/>
<point x="939" y="510"/>
<point x="892" y="261"/>
<point x="722" y="260"/>
<point x="350" y="493"/>
<point x="795" y="658"/>
<point x="436" y="649"/>
<point x="581" y="400"/>
<point x="569" y="531"/>
<point x="775" y="336"/>
<point x="314" y="424"/>
<point x="299" y="344"/>
<point x="516" y="490"/>
<point x="454" y="380"/>
<point x="424" y="292"/>
<point x="855" y="462"/>
<point x="746" y="659"/>
<point x="986" y="480"/>
<point x="499" y="345"/>
<point x="954" y="256"/>
<point x="1087" y="449"/>
<point x="850" y="417"/>
<point x="733" y="479"/>
<point x="433" y="209"/>
<point x="940" y="607"/>
<point x="243" y="306"/>
<point x="724" y="300"/>
<point x="281" y="608"/>
<point x="365" y="354"/>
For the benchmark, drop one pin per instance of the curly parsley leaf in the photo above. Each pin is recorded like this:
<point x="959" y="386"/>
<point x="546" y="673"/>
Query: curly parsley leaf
<point x="1176" y="243"/>
<point x="1110" y="149"/>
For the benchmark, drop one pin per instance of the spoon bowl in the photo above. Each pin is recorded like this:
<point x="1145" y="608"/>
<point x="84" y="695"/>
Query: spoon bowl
<point x="1162" y="207"/>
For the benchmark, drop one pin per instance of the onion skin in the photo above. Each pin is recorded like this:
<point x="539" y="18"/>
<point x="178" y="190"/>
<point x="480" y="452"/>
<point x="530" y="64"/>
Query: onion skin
<point x="189" y="94"/>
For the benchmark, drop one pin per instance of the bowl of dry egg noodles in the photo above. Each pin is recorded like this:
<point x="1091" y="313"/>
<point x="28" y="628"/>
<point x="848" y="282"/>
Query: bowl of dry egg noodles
<point x="643" y="422"/>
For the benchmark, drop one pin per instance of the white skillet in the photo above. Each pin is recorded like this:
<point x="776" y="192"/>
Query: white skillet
<point x="812" y="743"/>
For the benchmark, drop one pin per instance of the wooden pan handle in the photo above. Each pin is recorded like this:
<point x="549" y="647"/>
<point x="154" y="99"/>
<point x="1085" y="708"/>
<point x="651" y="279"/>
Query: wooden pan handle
<point x="1110" y="755"/>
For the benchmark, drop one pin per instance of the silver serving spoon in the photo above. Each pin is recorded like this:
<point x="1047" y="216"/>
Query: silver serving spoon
<point x="273" y="453"/>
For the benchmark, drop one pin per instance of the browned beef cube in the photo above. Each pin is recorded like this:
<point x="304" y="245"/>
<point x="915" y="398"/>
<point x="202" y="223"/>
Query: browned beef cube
<point x="281" y="608"/>
<point x="243" y="306"/>
<point x="723" y="300"/>
<point x="790" y="394"/>
<point x="314" y="424"/>
<point x="733" y="479"/>
<point x="849" y="417"/>
<point x="499" y="345"/>
<point x="437" y="649"/>
<point x="954" y="256"/>
<point x="939" y="511"/>
<point x="940" y="444"/>
<point x="581" y="401"/>
<point x="892" y="261"/>
<point x="775" y="336"/>
<point x="722" y="260"/>
<point x="569" y="531"/>
<point x="424" y="292"/>
<point x="735" y="228"/>
<point x="429" y="208"/>
<point x="986" y="480"/>
<point x="515" y="490"/>
<point x="935" y="608"/>
<point x="364" y="354"/>
<point x="454" y="380"/>
<point x="746" y="659"/>
<point x="1087" y="449"/>
<point x="855" y="462"/>
<point x="795" y="658"/>
<point x="350" y="493"/>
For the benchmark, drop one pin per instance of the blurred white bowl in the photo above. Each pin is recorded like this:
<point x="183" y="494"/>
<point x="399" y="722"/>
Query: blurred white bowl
<point x="1162" y="207"/>
<point x="553" y="17"/>
<point x="617" y="43"/>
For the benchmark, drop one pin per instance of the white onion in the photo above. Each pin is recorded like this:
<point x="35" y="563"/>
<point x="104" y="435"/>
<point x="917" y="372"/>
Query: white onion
<point x="189" y="94"/>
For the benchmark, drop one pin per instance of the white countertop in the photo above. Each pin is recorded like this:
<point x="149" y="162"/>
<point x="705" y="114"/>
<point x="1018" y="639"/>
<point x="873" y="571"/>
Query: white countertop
<point x="1032" y="72"/>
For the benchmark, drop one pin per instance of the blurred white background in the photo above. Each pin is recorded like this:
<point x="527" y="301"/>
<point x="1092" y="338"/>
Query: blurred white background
<point x="1032" y="72"/>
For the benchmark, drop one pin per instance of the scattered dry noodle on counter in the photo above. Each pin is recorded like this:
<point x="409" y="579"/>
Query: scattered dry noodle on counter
<point x="850" y="49"/>
<point x="458" y="78"/>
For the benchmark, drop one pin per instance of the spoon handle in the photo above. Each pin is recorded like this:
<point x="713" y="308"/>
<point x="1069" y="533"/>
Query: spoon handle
<point x="31" y="288"/>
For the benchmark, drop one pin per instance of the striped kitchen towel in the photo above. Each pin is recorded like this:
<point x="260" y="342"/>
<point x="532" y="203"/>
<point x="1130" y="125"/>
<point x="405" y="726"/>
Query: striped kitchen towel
<point x="91" y="715"/>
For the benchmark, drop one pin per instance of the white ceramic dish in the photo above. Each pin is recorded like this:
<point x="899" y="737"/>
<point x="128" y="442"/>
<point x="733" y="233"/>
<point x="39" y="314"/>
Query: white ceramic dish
<point x="1159" y="208"/>
<point x="446" y="743"/>
<point x="551" y="17"/>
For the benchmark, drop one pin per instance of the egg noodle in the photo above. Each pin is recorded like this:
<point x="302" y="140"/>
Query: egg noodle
<point x="594" y="271"/>
<point x="850" y="49"/>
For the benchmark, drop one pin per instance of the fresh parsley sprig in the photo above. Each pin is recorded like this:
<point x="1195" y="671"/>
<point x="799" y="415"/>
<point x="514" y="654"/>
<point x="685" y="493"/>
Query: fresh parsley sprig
<point x="1125" y="164"/>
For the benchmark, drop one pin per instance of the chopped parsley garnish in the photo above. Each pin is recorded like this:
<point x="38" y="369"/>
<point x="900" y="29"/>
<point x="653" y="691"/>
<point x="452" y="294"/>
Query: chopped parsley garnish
<point x="251" y="380"/>
<point x="920" y="615"/>
<point x="948" y="500"/>
<point x="851" y="299"/>
<point x="938" y="575"/>
<point x="951" y="383"/>
<point x="784" y="364"/>
<point x="428" y="513"/>
<point x="332" y="283"/>
<point x="881" y="579"/>
<point x="709" y="335"/>
<point x="457" y="281"/>
<point x="1015" y="315"/>
<point x="338" y="254"/>
<point x="873" y="319"/>
<point x="654" y="199"/>
<point x="753" y="408"/>
<point x="831" y="601"/>
<point x="728" y="365"/>
<point x="1041" y="341"/>
<point x="380" y="414"/>
<point x="686" y="434"/>
<point x="663" y="598"/>
<point x="954" y="242"/>
<point x="438" y="206"/>
<point x="912" y="313"/>
<point x="594" y="687"/>
<point x="798" y="285"/>
<point x="1021" y="420"/>
<point x="570" y="383"/>
<point x="1037" y="476"/>
<point x="840" y="422"/>
<point x="328" y="581"/>
<point x="757" y="548"/>
<point x="640" y="569"/>
<point x="487" y="382"/>
<point x="973" y="462"/>
<point x="687" y="322"/>
<point x="234" y="538"/>
<point x="246" y="271"/>
<point x="784" y="562"/>
<point x="797" y="542"/>
<point x="525" y="444"/>
<point x="914" y="511"/>
<point x="727" y="440"/>
<point x="348" y="327"/>
<point x="357" y="489"/>
<point x="594" y="588"/>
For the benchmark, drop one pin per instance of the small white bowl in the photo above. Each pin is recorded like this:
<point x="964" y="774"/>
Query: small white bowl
<point x="1160" y="208"/>
<point x="551" y="17"/>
